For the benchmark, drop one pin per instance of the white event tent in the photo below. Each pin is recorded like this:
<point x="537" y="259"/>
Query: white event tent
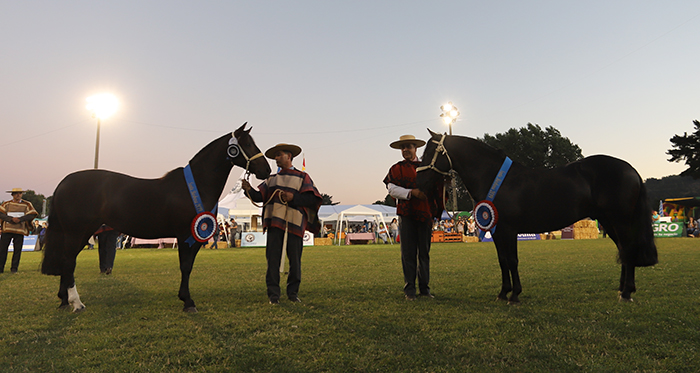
<point x="355" y="211"/>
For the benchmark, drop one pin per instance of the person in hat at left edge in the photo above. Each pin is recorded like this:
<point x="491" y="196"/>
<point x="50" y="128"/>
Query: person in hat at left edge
<point x="290" y="207"/>
<point x="16" y="215"/>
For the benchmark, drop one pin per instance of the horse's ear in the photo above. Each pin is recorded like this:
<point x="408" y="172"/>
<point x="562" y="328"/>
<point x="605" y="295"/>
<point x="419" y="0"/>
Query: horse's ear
<point x="432" y="134"/>
<point x="240" y="130"/>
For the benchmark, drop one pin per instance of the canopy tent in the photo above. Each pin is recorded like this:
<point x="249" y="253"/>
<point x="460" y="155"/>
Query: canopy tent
<point x="356" y="211"/>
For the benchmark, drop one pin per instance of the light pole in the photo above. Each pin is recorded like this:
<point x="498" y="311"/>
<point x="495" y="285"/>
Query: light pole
<point x="449" y="115"/>
<point x="101" y="106"/>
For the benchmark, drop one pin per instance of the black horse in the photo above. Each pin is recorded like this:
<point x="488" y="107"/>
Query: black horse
<point x="146" y="208"/>
<point x="542" y="200"/>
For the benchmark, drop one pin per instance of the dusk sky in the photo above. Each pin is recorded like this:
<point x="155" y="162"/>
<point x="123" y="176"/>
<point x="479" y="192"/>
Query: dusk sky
<point x="340" y="79"/>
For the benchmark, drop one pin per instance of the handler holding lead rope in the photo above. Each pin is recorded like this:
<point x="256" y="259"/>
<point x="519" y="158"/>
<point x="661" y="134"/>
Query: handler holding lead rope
<point x="416" y="212"/>
<point x="291" y="207"/>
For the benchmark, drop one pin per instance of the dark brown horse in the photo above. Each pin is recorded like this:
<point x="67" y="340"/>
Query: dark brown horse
<point x="145" y="208"/>
<point x="543" y="200"/>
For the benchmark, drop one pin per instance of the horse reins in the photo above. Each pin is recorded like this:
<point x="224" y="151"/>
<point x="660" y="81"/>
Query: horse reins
<point x="442" y="150"/>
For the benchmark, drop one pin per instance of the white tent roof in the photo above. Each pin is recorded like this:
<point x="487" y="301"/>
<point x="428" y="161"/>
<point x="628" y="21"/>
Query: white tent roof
<point x="239" y="205"/>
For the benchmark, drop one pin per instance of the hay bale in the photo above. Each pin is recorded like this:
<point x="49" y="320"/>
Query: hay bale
<point x="585" y="230"/>
<point x="323" y="241"/>
<point x="470" y="239"/>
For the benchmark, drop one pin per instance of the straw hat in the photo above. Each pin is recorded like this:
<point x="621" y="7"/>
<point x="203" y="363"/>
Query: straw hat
<point x="407" y="139"/>
<point x="16" y="190"/>
<point x="290" y="148"/>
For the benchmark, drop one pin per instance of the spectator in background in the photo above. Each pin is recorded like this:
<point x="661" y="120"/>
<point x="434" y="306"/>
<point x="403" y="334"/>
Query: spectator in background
<point x="394" y="228"/>
<point x="383" y="233"/>
<point x="693" y="230"/>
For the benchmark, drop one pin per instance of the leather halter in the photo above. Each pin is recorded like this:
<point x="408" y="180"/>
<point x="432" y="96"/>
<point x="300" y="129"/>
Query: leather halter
<point x="439" y="149"/>
<point x="247" y="159"/>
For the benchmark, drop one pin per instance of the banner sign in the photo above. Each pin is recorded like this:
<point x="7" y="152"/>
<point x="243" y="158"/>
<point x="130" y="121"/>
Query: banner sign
<point x="668" y="229"/>
<point x="259" y="239"/>
<point x="27" y="245"/>
<point x="521" y="237"/>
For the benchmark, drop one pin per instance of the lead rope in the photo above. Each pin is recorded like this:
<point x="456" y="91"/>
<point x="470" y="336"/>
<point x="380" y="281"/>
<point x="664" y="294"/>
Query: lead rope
<point x="286" y="222"/>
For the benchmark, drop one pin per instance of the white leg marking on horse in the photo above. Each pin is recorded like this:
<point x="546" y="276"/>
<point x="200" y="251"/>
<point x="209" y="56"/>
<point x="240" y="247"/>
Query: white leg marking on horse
<point x="74" y="299"/>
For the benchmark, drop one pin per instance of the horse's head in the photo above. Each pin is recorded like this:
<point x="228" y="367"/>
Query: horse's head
<point x="245" y="154"/>
<point x="435" y="163"/>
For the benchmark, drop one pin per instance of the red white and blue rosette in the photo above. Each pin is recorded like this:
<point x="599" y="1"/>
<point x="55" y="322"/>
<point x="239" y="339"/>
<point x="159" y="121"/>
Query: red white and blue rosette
<point x="203" y="226"/>
<point x="486" y="215"/>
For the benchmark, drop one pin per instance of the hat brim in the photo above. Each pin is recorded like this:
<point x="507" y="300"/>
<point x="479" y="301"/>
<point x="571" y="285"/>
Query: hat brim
<point x="397" y="144"/>
<point x="16" y="191"/>
<point x="290" y="148"/>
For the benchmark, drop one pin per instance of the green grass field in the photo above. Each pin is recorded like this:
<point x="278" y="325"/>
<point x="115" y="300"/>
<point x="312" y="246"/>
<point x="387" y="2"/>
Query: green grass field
<point x="354" y="317"/>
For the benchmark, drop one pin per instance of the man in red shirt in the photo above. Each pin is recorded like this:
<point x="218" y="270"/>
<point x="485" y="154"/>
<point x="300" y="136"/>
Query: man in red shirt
<point x="416" y="212"/>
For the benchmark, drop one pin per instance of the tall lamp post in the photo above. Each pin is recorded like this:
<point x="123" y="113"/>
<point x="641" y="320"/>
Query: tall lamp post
<point x="449" y="115"/>
<point x="102" y="106"/>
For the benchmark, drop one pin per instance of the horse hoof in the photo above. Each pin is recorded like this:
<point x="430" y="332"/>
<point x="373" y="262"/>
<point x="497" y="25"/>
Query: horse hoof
<point x="513" y="302"/>
<point x="192" y="309"/>
<point x="622" y="299"/>
<point x="63" y="306"/>
<point x="79" y="309"/>
<point x="499" y="299"/>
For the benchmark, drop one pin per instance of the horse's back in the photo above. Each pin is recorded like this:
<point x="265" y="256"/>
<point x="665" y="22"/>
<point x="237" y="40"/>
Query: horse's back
<point x="94" y="197"/>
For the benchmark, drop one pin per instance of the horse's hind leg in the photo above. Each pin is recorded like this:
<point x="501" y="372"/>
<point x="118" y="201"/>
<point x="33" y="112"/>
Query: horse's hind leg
<point x="67" y="290"/>
<point x="68" y="293"/>
<point x="627" y="285"/>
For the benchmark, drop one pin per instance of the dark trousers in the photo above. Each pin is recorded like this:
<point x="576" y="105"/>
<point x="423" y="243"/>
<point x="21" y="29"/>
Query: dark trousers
<point x="273" y="252"/>
<point x="415" y="254"/>
<point x="18" y="240"/>
<point x="107" y="249"/>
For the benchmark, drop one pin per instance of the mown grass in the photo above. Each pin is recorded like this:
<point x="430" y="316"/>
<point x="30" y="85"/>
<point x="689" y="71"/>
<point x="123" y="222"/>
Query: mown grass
<point x="353" y="316"/>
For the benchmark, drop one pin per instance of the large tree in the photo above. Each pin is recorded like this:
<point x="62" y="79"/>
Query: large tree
<point x="687" y="148"/>
<point x="534" y="147"/>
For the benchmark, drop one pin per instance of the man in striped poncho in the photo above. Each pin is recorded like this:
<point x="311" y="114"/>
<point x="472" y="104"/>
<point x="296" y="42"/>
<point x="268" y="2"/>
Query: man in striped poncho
<point x="291" y="203"/>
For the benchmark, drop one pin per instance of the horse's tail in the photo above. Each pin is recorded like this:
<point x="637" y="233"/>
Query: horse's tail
<point x="53" y="263"/>
<point x="644" y="250"/>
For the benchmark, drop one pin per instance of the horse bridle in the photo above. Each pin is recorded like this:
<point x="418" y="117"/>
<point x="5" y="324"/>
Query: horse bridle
<point x="234" y="150"/>
<point x="439" y="149"/>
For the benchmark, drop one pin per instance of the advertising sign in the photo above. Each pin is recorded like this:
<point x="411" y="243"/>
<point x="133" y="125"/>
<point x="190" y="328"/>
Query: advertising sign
<point x="668" y="229"/>
<point x="259" y="239"/>
<point x="521" y="237"/>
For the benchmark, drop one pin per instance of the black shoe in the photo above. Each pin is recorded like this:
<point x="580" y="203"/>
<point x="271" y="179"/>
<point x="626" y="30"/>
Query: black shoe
<point x="274" y="301"/>
<point x="294" y="299"/>
<point x="427" y="295"/>
<point x="410" y="297"/>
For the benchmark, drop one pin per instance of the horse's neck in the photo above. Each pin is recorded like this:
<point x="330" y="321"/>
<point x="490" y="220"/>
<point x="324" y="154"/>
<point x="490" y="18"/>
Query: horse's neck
<point x="210" y="169"/>
<point x="477" y="164"/>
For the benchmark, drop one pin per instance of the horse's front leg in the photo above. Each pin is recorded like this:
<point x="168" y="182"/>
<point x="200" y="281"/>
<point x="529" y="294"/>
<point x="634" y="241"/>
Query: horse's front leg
<point x="506" y="286"/>
<point x="627" y="285"/>
<point x="187" y="254"/>
<point x="507" y="247"/>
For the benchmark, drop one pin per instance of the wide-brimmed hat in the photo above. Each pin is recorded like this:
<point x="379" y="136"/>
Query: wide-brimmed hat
<point x="407" y="139"/>
<point x="290" y="148"/>
<point x="16" y="190"/>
